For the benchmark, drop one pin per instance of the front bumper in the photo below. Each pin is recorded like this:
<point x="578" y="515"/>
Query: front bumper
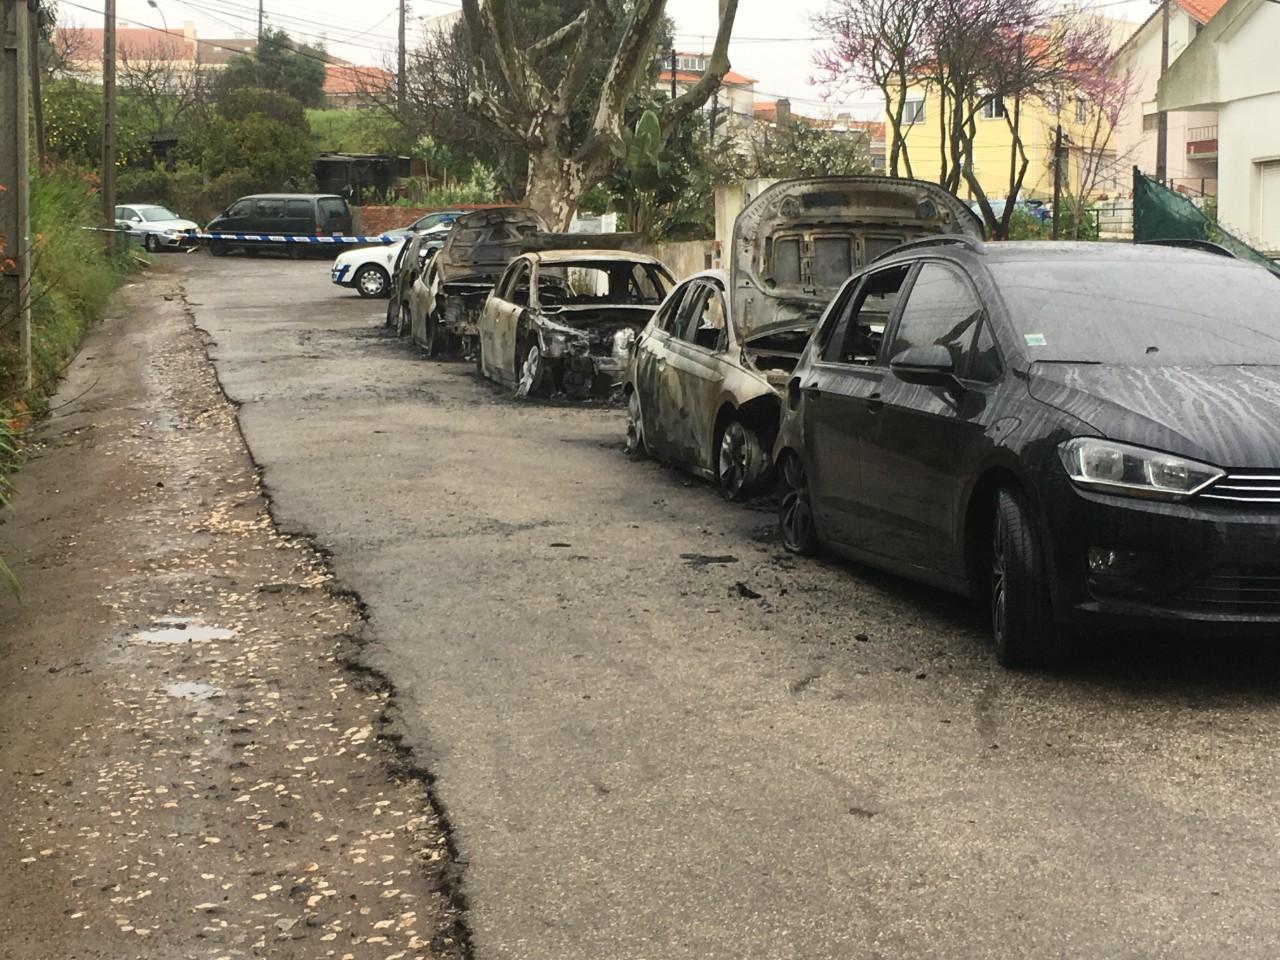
<point x="342" y="275"/>
<point x="179" y="241"/>
<point x="1189" y="567"/>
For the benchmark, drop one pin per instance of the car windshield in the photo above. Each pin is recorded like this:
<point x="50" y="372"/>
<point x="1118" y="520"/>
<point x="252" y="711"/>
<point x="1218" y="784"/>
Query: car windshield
<point x="1189" y="312"/>
<point x="433" y="220"/>
<point x="157" y="213"/>
<point x="589" y="282"/>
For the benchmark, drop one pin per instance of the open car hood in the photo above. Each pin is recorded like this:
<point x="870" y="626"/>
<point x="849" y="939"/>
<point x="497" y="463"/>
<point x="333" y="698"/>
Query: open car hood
<point x="799" y="240"/>
<point x="482" y="242"/>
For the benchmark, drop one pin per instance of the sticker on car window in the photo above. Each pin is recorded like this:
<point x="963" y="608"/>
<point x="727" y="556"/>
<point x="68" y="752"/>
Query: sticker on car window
<point x="1034" y="339"/>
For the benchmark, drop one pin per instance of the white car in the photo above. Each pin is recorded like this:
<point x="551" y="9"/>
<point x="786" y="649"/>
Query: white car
<point x="367" y="269"/>
<point x="156" y="227"/>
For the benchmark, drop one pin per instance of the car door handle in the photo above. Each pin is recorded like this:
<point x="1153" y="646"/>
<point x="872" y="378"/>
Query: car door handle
<point x="874" y="403"/>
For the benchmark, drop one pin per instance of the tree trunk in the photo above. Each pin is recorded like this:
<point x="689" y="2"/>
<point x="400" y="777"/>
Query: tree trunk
<point x="556" y="184"/>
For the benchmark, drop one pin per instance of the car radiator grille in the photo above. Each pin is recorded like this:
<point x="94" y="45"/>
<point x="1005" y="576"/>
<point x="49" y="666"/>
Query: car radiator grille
<point x="1252" y="588"/>
<point x="1246" y="486"/>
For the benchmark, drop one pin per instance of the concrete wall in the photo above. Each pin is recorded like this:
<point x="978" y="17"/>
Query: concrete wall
<point x="683" y="259"/>
<point x="1248" y="135"/>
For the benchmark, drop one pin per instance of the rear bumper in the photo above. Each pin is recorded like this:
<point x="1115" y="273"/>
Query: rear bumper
<point x="1191" y="567"/>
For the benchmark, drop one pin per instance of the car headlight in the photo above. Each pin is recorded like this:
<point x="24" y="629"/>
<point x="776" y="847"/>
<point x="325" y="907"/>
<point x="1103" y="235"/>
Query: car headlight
<point x="1120" y="468"/>
<point x="172" y="233"/>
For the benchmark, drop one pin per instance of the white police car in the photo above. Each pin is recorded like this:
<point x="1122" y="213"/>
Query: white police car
<point x="368" y="269"/>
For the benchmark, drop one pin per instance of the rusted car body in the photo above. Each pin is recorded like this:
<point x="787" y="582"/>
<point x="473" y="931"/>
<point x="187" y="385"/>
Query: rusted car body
<point x="563" y="321"/>
<point x="412" y="261"/>
<point x="703" y="387"/>
<point x="446" y="300"/>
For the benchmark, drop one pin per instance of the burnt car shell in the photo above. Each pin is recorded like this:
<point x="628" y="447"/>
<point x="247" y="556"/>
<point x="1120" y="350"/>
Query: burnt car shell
<point x="477" y="250"/>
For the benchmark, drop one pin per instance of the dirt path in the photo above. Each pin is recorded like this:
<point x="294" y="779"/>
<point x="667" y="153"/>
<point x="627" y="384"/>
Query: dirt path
<point x="187" y="768"/>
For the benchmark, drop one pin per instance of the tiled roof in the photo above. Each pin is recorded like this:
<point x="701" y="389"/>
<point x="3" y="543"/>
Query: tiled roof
<point x="84" y="44"/>
<point x="1202" y="10"/>
<point x="339" y="80"/>
<point x="691" y="76"/>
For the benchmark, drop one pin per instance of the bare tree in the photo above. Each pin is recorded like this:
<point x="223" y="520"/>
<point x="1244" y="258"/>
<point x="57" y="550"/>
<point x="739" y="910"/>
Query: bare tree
<point x="530" y="95"/>
<point x="1105" y="94"/>
<point x="169" y="91"/>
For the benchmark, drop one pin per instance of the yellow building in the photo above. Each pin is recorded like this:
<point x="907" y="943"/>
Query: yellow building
<point x="993" y="144"/>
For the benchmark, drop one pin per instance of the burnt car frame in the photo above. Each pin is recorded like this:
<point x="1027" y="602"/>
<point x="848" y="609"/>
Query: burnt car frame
<point x="411" y="262"/>
<point x="445" y="301"/>
<point x="1081" y="436"/>
<point x="711" y="403"/>
<point x="563" y="321"/>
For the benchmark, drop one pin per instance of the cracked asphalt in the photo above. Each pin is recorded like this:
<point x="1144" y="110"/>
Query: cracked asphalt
<point x="640" y="759"/>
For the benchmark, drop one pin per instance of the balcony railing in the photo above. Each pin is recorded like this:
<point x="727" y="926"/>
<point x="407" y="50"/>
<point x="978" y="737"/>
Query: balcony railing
<point x="1202" y="143"/>
<point x="1202" y="133"/>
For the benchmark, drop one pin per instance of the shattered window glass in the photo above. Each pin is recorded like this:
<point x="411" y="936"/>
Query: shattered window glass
<point x="858" y="334"/>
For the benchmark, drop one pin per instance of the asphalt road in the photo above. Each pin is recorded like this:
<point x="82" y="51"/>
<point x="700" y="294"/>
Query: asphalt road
<point x="640" y="758"/>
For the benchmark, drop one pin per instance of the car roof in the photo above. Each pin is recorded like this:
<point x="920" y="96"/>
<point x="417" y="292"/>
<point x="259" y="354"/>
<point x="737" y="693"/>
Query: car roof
<point x="292" y="196"/>
<point x="1041" y="251"/>
<point x="574" y="256"/>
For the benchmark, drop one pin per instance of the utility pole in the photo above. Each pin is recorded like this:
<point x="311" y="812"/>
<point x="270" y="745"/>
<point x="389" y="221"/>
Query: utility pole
<point x="400" y="62"/>
<point x="673" y="73"/>
<point x="33" y="56"/>
<point x="259" y="21"/>
<point x="1162" y="135"/>
<point x="1057" y="179"/>
<point x="109" y="120"/>
<point x="15" y="217"/>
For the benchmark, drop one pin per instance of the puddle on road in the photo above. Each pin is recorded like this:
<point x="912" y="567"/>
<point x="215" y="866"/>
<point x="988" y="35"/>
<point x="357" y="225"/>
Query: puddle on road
<point x="171" y="630"/>
<point x="192" y="690"/>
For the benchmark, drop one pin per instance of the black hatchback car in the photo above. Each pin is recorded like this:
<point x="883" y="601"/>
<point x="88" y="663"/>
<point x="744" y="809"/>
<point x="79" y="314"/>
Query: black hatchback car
<point x="1086" y="436"/>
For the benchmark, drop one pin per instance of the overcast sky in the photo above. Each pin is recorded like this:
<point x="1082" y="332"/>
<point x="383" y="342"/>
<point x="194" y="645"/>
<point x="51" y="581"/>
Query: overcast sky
<point x="773" y="41"/>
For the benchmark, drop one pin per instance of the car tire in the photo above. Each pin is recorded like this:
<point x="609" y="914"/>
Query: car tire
<point x="635" y="426"/>
<point x="480" y="355"/>
<point x="217" y="248"/>
<point x="151" y="242"/>
<point x="294" y="251"/>
<point x="437" y="344"/>
<point x="405" y="322"/>
<point x="1022" y="622"/>
<point x="740" y="459"/>
<point x="795" y="511"/>
<point x="531" y="370"/>
<point x="371" y="281"/>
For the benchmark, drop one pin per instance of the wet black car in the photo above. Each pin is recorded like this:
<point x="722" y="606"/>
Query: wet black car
<point x="1086" y="436"/>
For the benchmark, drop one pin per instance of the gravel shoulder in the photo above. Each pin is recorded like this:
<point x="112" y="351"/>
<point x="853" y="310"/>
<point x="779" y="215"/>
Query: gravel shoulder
<point x="187" y="765"/>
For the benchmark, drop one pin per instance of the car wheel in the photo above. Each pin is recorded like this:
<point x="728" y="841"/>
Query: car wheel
<point x="151" y="242"/>
<point x="740" y="459"/>
<point x="479" y="348"/>
<point x="217" y="248"/>
<point x="406" y="321"/>
<point x="1022" y="622"/>
<point x="294" y="251"/>
<point x="635" y="426"/>
<point x="532" y="369"/>
<point x="371" y="281"/>
<point x="437" y="339"/>
<point x="795" y="512"/>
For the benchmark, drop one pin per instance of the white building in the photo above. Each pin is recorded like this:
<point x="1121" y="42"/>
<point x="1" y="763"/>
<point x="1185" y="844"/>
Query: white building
<point x="1192" y="164"/>
<point x="734" y="101"/>
<point x="1230" y="67"/>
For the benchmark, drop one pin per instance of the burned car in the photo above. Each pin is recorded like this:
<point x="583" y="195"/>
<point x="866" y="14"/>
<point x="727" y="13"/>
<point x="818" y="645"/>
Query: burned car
<point x="563" y="321"/>
<point x="410" y="263"/>
<point x="445" y="301"/>
<point x="703" y="388"/>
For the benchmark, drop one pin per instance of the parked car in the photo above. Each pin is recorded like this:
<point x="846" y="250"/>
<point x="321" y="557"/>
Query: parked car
<point x="413" y="258"/>
<point x="1081" y="435"/>
<point x="367" y="270"/>
<point x="1032" y="208"/>
<point x="156" y="227"/>
<point x="704" y="385"/>
<point x="431" y="221"/>
<point x="280" y="215"/>
<point x="563" y="321"/>
<point x="445" y="301"/>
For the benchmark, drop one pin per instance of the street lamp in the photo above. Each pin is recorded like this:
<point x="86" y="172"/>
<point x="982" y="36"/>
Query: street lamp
<point x="163" y="19"/>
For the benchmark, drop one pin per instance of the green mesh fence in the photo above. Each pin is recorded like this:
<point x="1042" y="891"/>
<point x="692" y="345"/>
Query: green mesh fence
<point x="1161" y="214"/>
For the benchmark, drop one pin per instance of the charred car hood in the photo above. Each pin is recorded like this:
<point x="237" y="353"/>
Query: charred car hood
<point x="581" y="317"/>
<point x="1223" y="415"/>
<point x="482" y="242"/>
<point x="799" y="240"/>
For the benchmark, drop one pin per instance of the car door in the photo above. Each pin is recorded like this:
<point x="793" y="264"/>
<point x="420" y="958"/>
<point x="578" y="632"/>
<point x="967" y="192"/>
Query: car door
<point x="127" y="218"/>
<point x="500" y="317"/>
<point x="841" y="391"/>
<point x="693" y="375"/>
<point x="268" y="216"/>
<point x="332" y="217"/>
<point x="648" y="364"/>
<point x="299" y="217"/>
<point x="917" y="447"/>
<point x="237" y="219"/>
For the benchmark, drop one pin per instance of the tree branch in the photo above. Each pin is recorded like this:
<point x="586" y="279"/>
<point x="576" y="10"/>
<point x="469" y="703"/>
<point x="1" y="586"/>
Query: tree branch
<point x="675" y="112"/>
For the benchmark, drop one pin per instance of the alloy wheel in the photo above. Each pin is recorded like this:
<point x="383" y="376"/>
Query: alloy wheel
<point x="795" y="515"/>
<point x="371" y="282"/>
<point x="152" y="243"/>
<point x="735" y="456"/>
<point x="635" y="426"/>
<point x="530" y="372"/>
<point x="999" y="582"/>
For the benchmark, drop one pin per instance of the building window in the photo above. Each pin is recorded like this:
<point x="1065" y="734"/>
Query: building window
<point x="993" y="109"/>
<point x="1082" y="113"/>
<point x="1151" y="121"/>
<point x="914" y="111"/>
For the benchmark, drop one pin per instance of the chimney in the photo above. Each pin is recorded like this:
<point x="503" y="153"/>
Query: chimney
<point x="783" y="107"/>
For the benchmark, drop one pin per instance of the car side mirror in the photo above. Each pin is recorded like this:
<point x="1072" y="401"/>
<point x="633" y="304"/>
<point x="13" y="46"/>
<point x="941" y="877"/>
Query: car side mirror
<point x="930" y="365"/>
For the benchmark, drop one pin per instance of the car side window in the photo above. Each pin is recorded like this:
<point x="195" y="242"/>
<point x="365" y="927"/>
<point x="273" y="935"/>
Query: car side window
<point x="858" y="335"/>
<point x="272" y="209"/>
<point x="669" y="315"/>
<point x="705" y="325"/>
<point x="517" y="291"/>
<point x="984" y="363"/>
<point x="240" y="208"/>
<point x="299" y="209"/>
<point x="941" y="309"/>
